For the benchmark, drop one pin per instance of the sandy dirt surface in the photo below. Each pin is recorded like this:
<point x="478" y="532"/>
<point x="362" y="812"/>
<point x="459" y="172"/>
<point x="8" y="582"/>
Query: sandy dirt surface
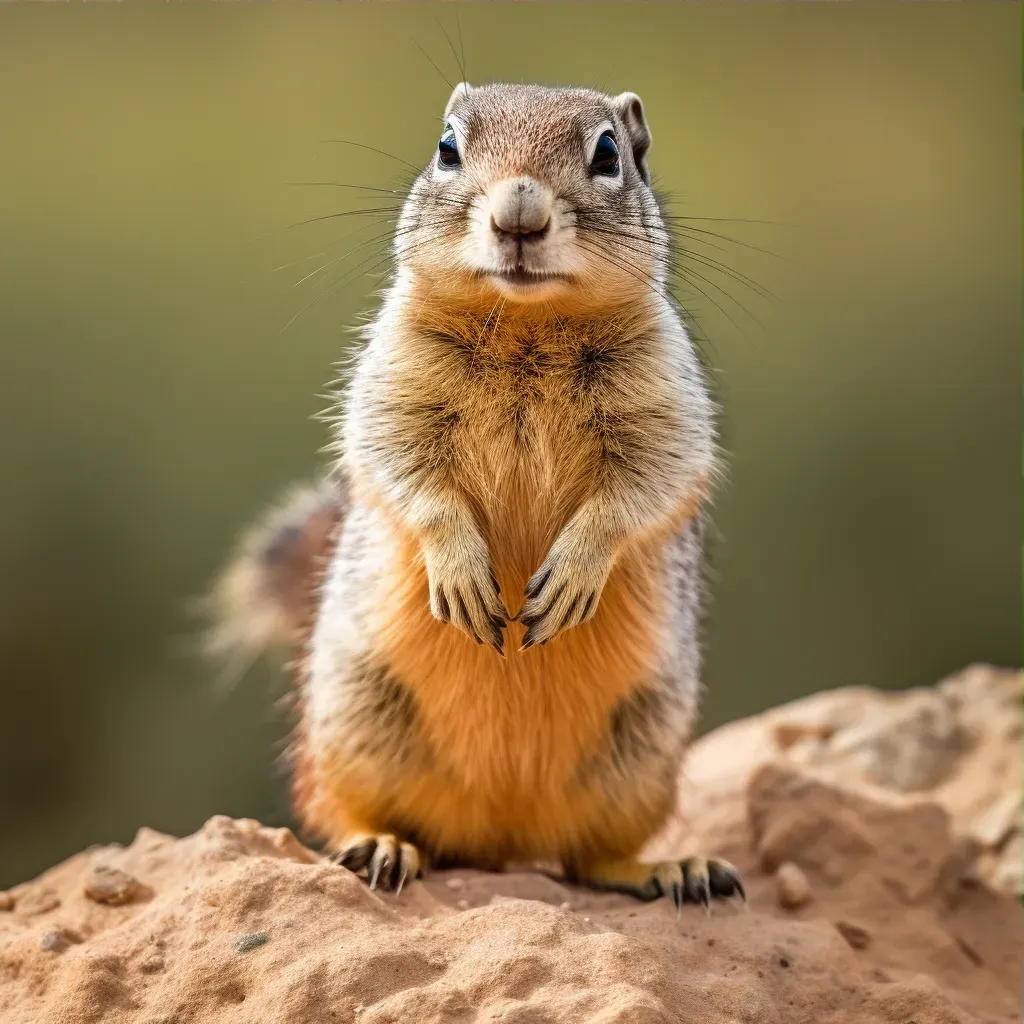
<point x="878" y="836"/>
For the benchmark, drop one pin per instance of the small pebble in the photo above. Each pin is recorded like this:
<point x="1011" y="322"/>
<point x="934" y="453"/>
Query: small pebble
<point x="6" y="901"/>
<point x="565" y="906"/>
<point x="38" y="901"/>
<point x="56" y="940"/>
<point x="856" y="935"/>
<point x="251" y="940"/>
<point x="791" y="886"/>
<point x="454" y="883"/>
<point x="110" y="886"/>
<point x="783" y="962"/>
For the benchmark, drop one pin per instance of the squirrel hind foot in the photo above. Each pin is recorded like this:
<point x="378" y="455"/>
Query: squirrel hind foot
<point x="387" y="861"/>
<point x="690" y="880"/>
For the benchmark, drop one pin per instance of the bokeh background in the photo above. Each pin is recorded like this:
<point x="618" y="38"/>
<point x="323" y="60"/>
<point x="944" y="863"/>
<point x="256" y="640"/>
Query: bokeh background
<point x="160" y="374"/>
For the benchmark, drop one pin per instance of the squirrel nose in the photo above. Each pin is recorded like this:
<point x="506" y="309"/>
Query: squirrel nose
<point x="520" y="207"/>
<point x="520" y="230"/>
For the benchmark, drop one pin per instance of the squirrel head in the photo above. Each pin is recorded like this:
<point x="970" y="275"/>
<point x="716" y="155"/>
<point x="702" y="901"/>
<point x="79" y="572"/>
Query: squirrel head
<point x="537" y="195"/>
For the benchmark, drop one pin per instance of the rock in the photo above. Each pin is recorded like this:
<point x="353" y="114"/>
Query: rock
<point x="53" y="942"/>
<point x="6" y="901"/>
<point x="956" y="744"/>
<point x="909" y="745"/>
<point x="56" y="940"/>
<point x="855" y="934"/>
<point x="792" y="888"/>
<point x="831" y="831"/>
<point x="983" y="694"/>
<point x="251" y="940"/>
<point x="903" y="924"/>
<point x="111" y="886"/>
<point x="37" y="900"/>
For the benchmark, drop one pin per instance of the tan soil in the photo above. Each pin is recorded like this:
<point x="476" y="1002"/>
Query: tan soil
<point x="900" y="812"/>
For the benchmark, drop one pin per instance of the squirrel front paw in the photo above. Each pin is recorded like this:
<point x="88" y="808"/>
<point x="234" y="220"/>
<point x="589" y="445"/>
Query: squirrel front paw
<point x="564" y="592"/>
<point x="464" y="591"/>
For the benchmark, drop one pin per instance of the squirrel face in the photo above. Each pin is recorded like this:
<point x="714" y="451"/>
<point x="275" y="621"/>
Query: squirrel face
<point x="537" y="195"/>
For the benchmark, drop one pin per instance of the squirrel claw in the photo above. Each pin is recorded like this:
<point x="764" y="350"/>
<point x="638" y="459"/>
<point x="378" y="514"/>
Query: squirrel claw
<point x="388" y="861"/>
<point x="565" y="591"/>
<point x="467" y="596"/>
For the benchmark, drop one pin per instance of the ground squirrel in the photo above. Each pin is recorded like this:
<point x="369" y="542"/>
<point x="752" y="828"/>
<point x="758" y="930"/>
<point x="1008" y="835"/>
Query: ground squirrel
<point x="527" y="429"/>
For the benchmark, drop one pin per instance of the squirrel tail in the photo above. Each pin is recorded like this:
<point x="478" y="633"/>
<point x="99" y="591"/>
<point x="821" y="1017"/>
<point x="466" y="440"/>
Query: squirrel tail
<point x="266" y="597"/>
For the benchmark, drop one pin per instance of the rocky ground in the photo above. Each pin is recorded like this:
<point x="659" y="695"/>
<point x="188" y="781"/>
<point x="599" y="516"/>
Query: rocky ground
<point x="878" y="835"/>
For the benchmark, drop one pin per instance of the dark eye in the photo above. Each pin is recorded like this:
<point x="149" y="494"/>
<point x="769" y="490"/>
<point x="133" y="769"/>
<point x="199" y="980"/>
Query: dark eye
<point x="448" y="149"/>
<point x="606" y="156"/>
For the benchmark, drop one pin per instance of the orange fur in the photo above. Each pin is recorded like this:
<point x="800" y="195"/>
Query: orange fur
<point x="518" y="727"/>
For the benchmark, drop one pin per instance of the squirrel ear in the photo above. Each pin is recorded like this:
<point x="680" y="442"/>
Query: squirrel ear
<point x="462" y="89"/>
<point x="630" y="108"/>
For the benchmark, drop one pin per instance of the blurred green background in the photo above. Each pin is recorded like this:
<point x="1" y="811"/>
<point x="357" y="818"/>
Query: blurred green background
<point x="154" y="394"/>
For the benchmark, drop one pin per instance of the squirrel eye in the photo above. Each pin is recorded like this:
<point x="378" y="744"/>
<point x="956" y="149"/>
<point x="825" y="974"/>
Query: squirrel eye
<point x="606" y="156"/>
<point x="448" y="149"/>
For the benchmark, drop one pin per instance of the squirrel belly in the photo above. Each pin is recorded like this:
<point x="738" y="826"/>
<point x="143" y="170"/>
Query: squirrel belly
<point x="485" y="759"/>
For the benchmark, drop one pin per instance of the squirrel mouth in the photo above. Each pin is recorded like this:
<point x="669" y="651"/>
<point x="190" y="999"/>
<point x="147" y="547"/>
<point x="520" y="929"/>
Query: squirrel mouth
<point x="523" y="278"/>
